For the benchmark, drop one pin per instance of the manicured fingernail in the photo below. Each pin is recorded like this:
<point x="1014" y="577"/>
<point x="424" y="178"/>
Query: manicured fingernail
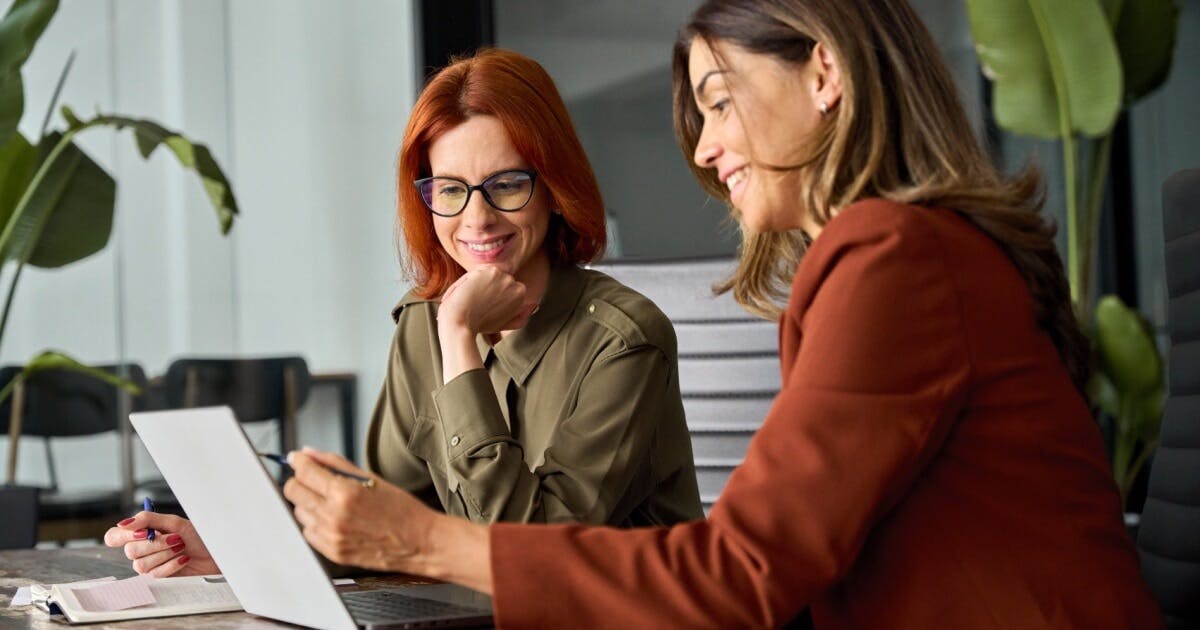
<point x="177" y="548"/>
<point x="140" y="534"/>
<point x="174" y="539"/>
<point x="183" y="559"/>
<point x="125" y="522"/>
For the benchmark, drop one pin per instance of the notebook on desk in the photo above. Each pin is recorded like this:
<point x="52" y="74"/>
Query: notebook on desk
<point x="248" y="528"/>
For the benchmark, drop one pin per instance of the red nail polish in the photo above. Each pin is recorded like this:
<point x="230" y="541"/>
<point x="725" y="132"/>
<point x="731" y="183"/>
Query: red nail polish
<point x="174" y="539"/>
<point x="140" y="534"/>
<point x="125" y="522"/>
<point x="183" y="559"/>
<point x="177" y="548"/>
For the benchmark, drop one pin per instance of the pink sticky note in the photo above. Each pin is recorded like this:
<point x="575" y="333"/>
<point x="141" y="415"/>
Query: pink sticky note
<point x="118" y="595"/>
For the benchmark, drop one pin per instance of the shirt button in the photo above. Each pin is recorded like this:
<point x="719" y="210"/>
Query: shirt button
<point x="591" y="308"/>
<point x="454" y="441"/>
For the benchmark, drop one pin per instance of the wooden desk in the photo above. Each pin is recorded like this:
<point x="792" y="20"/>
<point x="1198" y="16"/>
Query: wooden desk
<point x="49" y="566"/>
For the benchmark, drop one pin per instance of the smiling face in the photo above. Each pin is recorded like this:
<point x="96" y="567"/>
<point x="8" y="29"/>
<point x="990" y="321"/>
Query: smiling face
<point x="758" y="112"/>
<point x="481" y="234"/>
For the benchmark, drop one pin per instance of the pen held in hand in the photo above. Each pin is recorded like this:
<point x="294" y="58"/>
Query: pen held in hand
<point x="366" y="482"/>
<point x="148" y="506"/>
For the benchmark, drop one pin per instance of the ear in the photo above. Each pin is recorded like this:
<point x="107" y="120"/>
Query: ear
<point x="826" y="78"/>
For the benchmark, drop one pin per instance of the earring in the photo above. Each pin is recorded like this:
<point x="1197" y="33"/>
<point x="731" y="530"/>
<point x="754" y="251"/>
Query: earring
<point x="824" y="107"/>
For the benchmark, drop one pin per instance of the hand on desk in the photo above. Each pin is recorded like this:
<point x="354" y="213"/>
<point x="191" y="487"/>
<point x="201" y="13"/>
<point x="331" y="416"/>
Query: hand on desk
<point x="175" y="550"/>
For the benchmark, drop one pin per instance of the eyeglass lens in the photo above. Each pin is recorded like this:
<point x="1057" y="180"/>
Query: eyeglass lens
<point x="509" y="191"/>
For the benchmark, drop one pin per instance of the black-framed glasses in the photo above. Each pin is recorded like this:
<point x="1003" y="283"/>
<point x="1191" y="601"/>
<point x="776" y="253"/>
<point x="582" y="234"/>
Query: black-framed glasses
<point x="507" y="191"/>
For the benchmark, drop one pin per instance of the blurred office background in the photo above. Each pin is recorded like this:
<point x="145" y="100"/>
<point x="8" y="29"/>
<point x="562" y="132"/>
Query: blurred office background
<point x="303" y="102"/>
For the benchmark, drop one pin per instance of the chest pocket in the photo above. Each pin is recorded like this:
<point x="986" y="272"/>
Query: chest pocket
<point x="427" y="442"/>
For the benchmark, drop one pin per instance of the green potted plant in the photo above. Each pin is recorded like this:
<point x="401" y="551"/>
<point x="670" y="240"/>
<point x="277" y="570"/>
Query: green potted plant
<point x="56" y="203"/>
<point x="1064" y="70"/>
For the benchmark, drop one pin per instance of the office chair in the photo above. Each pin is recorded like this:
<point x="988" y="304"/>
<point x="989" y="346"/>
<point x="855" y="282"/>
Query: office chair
<point x="728" y="359"/>
<point x="257" y="390"/>
<point x="1169" y="534"/>
<point x="63" y="404"/>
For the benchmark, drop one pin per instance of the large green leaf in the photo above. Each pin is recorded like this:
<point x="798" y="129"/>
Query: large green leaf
<point x="1145" y="32"/>
<point x="68" y="213"/>
<point x="195" y="156"/>
<point x="1128" y="354"/>
<point x="18" y="159"/>
<point x="54" y="360"/>
<point x="1054" y="64"/>
<point x="19" y="32"/>
<point x="80" y="223"/>
<point x="12" y="104"/>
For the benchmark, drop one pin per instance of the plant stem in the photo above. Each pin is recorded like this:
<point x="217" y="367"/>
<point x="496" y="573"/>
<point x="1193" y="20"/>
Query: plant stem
<point x="1147" y="449"/>
<point x="12" y="290"/>
<point x="62" y="79"/>
<point x="1073" y="262"/>
<point x="1065" y="128"/>
<point x="1097" y="176"/>
<point x="1123" y="443"/>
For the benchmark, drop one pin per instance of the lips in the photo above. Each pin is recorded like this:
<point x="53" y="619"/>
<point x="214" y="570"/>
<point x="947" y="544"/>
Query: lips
<point x="736" y="182"/>
<point x="737" y="177"/>
<point x="487" y="249"/>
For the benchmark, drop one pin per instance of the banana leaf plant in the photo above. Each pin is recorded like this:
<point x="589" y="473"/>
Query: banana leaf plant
<point x="56" y="203"/>
<point x="1064" y="70"/>
<point x="1128" y="385"/>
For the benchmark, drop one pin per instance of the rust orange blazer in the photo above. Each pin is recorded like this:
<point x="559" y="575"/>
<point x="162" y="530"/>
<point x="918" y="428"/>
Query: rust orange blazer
<point x="927" y="464"/>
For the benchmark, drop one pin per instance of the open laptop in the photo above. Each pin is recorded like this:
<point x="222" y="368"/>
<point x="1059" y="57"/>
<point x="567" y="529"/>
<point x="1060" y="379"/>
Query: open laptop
<point x="248" y="527"/>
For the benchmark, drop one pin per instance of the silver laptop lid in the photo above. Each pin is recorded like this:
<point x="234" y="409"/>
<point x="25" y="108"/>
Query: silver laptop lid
<point x="240" y="514"/>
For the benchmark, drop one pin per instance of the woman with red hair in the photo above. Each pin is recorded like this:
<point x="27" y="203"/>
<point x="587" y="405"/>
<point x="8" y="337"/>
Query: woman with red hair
<point x="520" y="386"/>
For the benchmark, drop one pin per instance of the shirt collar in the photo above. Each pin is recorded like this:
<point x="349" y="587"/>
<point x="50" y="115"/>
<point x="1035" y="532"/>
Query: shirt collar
<point x="409" y="298"/>
<point x="521" y="351"/>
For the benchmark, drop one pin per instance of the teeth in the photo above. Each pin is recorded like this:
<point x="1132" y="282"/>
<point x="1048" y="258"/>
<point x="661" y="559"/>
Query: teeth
<point x="486" y="247"/>
<point x="736" y="178"/>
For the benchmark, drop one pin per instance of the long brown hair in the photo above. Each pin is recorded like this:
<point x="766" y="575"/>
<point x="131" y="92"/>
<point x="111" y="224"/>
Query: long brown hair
<point x="899" y="132"/>
<point x="518" y="91"/>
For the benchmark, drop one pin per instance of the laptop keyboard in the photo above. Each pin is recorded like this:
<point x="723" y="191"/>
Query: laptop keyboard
<point x="384" y="605"/>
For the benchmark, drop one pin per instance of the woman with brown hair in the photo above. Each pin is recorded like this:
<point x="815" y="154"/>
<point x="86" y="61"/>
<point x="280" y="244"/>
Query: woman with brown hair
<point x="930" y="461"/>
<point x="520" y="387"/>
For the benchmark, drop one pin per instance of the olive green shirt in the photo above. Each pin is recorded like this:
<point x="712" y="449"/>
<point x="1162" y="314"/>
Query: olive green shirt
<point x="575" y="417"/>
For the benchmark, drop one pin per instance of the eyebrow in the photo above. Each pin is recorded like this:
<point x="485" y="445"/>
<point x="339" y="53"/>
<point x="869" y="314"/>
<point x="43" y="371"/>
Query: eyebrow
<point x="704" y="79"/>
<point x="485" y="177"/>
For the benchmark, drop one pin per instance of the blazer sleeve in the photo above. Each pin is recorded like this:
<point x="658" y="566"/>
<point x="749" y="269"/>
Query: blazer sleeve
<point x="594" y="456"/>
<point x="867" y="399"/>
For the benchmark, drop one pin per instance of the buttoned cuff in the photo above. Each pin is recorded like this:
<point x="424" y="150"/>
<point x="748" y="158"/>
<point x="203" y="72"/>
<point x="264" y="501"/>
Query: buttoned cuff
<point x="469" y="412"/>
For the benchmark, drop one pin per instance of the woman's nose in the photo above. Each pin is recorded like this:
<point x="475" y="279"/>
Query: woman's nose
<point x="707" y="152"/>
<point x="478" y="213"/>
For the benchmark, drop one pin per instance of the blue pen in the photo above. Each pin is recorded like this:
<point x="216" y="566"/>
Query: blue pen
<point x="366" y="482"/>
<point x="148" y="506"/>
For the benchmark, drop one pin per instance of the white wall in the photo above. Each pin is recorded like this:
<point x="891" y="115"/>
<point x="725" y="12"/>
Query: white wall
<point x="303" y="103"/>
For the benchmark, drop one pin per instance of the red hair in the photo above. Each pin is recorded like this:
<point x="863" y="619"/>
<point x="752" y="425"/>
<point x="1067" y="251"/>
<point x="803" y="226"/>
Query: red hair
<point x="517" y="91"/>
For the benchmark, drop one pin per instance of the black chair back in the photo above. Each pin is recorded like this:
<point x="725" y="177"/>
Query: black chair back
<point x="256" y="389"/>
<point x="62" y="403"/>
<point x="1169" y="534"/>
